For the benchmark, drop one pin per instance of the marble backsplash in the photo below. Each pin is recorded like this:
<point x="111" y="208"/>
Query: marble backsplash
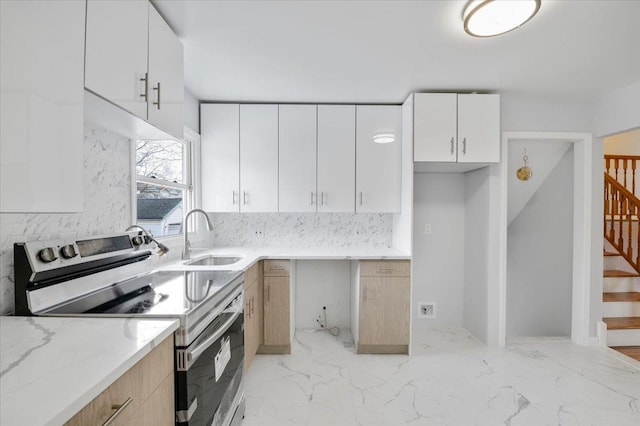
<point x="301" y="230"/>
<point x="107" y="208"/>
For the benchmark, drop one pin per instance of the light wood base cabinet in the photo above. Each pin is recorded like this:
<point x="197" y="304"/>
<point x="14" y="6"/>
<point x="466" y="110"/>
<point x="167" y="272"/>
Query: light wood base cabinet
<point x="277" y="308"/>
<point x="384" y="307"/>
<point x="144" y="395"/>
<point x="252" y="312"/>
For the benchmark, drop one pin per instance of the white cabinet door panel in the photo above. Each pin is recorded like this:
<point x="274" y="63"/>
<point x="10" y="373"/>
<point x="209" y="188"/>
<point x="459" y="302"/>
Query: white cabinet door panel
<point x="166" y="77"/>
<point x="378" y="166"/>
<point x="259" y="158"/>
<point x="435" y="127"/>
<point x="116" y="52"/>
<point x="336" y="158"/>
<point x="297" y="158"/>
<point x="41" y="111"/>
<point x="220" y="157"/>
<point x="478" y="128"/>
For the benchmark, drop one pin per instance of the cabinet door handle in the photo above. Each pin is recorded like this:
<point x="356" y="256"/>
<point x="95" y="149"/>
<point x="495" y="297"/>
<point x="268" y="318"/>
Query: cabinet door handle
<point x="145" y="95"/>
<point x="248" y="304"/>
<point x="464" y="146"/>
<point x="360" y="197"/>
<point x="252" y="305"/>
<point x="234" y="198"/>
<point x="157" y="88"/>
<point x="244" y="197"/>
<point x="311" y="197"/>
<point x="322" y="196"/>
<point x="451" y="146"/>
<point x="119" y="409"/>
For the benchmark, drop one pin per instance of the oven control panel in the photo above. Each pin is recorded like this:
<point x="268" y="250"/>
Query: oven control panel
<point x="47" y="255"/>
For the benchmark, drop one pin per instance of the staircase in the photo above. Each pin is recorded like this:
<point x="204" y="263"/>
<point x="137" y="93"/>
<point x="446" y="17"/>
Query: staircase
<point x="621" y="297"/>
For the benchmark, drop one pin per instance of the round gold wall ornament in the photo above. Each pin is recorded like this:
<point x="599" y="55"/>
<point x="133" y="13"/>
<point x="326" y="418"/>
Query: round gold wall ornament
<point x="524" y="173"/>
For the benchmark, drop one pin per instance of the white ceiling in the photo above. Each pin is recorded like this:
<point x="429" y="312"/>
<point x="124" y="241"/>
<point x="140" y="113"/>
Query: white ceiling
<point x="380" y="51"/>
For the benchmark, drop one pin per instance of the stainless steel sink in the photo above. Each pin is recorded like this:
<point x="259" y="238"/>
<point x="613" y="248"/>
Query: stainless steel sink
<point x="213" y="260"/>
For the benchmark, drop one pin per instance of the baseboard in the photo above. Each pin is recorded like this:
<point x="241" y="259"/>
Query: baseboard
<point x="274" y="349"/>
<point x="383" y="349"/>
<point x="601" y="334"/>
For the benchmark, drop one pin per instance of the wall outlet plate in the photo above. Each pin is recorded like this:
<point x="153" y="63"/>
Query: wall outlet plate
<point x="427" y="229"/>
<point x="427" y="310"/>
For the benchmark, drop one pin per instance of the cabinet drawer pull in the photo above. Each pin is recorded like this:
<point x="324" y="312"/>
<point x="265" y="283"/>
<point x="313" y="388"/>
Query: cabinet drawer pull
<point x="322" y="196"/>
<point x="464" y="145"/>
<point x="119" y="409"/>
<point x="360" y="197"/>
<point x="234" y="198"/>
<point x="145" y="95"/>
<point x="244" y="198"/>
<point x="385" y="270"/>
<point x="157" y="88"/>
<point x="451" y="146"/>
<point x="311" y="197"/>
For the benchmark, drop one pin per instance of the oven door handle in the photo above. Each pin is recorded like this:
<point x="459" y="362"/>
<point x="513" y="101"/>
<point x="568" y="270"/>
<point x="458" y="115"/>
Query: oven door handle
<point x="194" y="354"/>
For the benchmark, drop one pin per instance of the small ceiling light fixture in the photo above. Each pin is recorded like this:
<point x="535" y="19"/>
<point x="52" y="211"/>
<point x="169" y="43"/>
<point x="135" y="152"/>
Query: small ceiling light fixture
<point x="488" y="18"/>
<point x="384" y="137"/>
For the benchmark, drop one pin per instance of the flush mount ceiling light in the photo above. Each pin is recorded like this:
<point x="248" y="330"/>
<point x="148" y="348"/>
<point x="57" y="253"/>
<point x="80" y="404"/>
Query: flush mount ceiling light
<point x="384" y="137"/>
<point x="488" y="18"/>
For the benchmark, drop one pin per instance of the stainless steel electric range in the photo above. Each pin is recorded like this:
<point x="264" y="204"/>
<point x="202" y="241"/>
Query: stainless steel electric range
<point x="110" y="276"/>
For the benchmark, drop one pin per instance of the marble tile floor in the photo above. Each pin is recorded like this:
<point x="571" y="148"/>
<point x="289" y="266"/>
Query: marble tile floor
<point x="451" y="379"/>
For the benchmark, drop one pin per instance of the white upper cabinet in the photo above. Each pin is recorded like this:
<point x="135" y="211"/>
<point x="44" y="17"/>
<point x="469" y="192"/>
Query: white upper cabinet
<point x="336" y="158"/>
<point x="378" y="165"/>
<point x="297" y="158"/>
<point x="135" y="61"/>
<point x="258" y="158"/>
<point x="220" y="157"/>
<point x="117" y="44"/>
<point x="463" y="128"/>
<point x="435" y="126"/>
<point x="166" y="77"/>
<point x="41" y="111"/>
<point x="478" y="128"/>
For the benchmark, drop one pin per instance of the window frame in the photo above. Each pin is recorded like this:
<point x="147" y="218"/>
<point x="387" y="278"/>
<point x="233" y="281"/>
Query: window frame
<point x="190" y="170"/>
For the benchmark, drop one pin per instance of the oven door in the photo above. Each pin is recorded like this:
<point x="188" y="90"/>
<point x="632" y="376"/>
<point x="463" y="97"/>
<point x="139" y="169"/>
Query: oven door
<point x="209" y="371"/>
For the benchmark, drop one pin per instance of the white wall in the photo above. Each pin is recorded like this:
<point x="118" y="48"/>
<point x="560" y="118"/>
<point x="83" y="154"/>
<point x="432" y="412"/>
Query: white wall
<point x="617" y="111"/>
<point x="438" y="259"/>
<point x="191" y="111"/>
<point x="526" y="113"/>
<point x="477" y="254"/>
<point x="323" y="283"/>
<point x="107" y="206"/>
<point x="540" y="258"/>
<point x="626" y="143"/>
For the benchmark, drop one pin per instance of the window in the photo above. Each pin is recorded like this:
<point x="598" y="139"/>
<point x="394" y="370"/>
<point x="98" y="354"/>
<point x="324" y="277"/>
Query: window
<point x="163" y="189"/>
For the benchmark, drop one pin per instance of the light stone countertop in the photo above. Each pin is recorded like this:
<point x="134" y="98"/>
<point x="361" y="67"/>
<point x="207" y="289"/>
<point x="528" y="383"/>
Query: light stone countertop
<point x="50" y="368"/>
<point x="250" y="256"/>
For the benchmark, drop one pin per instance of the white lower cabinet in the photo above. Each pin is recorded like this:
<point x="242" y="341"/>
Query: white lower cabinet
<point x="378" y="165"/>
<point x="41" y="111"/>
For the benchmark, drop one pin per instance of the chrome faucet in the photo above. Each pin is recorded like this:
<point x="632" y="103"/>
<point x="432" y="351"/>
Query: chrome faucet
<point x="186" y="251"/>
<point x="162" y="249"/>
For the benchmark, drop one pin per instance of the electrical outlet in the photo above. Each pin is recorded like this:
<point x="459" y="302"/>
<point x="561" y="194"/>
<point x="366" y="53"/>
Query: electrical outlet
<point x="427" y="310"/>
<point x="427" y="229"/>
<point x="259" y="233"/>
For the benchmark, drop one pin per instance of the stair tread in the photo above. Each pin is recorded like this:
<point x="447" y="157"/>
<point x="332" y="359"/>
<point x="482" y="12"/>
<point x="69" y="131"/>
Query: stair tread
<point x="630" y="351"/>
<point x="627" y="296"/>
<point x="611" y="253"/>
<point x="609" y="273"/>
<point x="622" y="323"/>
